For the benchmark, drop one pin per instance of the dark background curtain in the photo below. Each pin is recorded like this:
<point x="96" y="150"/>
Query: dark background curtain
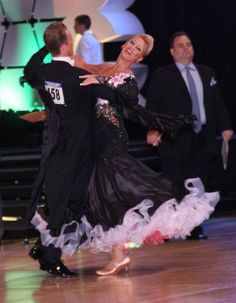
<point x="212" y="26"/>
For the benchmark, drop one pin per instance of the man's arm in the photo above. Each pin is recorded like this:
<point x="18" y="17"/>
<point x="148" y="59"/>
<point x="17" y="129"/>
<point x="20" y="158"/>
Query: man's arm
<point x="101" y="87"/>
<point x="223" y="122"/>
<point x="33" y="64"/>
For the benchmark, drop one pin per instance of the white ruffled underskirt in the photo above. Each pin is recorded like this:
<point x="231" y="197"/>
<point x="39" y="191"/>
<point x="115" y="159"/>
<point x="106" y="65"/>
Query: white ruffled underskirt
<point x="172" y="220"/>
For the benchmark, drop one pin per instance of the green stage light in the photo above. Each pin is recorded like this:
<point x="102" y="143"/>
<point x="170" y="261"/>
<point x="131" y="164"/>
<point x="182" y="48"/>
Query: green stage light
<point x="21" y="44"/>
<point x="15" y="97"/>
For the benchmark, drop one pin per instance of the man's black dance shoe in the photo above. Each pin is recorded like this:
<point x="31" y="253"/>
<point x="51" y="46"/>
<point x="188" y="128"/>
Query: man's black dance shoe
<point x="56" y="269"/>
<point x="35" y="252"/>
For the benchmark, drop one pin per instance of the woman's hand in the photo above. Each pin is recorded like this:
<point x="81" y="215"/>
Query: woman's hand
<point x="89" y="79"/>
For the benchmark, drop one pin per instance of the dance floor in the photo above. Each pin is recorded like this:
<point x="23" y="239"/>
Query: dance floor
<point x="177" y="272"/>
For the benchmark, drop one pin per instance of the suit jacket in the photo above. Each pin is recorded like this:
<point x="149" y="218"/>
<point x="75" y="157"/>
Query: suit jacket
<point x="168" y="94"/>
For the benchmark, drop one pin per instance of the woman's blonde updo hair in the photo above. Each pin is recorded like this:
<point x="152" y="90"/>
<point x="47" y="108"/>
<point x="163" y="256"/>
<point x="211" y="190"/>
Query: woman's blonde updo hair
<point x="149" y="42"/>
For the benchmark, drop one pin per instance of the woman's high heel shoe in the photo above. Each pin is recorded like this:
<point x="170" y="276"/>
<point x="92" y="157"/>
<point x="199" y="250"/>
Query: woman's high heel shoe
<point x="123" y="265"/>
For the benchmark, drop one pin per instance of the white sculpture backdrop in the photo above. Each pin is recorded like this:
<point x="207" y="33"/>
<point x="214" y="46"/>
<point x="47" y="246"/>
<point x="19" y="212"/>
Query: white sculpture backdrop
<point x="22" y="26"/>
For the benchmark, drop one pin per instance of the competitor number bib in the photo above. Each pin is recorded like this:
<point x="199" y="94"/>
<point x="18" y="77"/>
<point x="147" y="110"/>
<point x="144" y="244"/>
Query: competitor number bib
<point x="56" y="92"/>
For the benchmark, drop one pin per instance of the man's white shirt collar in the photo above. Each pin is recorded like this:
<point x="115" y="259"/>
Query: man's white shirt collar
<point x="65" y="59"/>
<point x="181" y="67"/>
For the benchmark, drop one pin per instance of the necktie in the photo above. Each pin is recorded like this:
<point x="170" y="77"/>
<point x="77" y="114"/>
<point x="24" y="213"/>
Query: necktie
<point x="195" y="103"/>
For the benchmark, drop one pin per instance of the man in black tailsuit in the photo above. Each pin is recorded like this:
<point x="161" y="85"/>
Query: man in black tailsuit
<point x="185" y="88"/>
<point x="66" y="162"/>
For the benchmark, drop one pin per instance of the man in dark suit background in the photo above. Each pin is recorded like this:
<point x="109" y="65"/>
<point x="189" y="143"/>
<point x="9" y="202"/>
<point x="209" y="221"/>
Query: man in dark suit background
<point x="171" y="92"/>
<point x="66" y="163"/>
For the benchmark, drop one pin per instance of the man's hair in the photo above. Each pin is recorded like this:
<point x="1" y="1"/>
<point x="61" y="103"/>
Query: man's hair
<point x="55" y="36"/>
<point x="178" y="34"/>
<point x="83" y="19"/>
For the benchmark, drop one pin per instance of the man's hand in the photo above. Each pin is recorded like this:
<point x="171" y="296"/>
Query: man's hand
<point x="227" y="134"/>
<point x="89" y="79"/>
<point x="154" y="137"/>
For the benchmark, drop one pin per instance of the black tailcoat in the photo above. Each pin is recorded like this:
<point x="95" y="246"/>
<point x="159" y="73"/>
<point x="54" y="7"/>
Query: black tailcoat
<point x="66" y="154"/>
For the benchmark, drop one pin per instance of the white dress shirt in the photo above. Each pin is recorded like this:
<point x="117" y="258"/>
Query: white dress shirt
<point x="89" y="49"/>
<point x="65" y="59"/>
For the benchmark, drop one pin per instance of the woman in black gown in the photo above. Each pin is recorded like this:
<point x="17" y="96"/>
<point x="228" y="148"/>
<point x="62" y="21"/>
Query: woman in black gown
<point x="127" y="201"/>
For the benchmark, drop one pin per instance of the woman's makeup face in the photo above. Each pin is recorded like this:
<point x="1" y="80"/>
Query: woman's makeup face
<point x="134" y="49"/>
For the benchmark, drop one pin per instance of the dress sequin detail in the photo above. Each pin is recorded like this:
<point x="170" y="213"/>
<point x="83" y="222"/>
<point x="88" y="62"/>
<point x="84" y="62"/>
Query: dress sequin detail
<point x="107" y="111"/>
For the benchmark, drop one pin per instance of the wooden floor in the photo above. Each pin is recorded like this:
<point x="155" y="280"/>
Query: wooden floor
<point x="176" y="272"/>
